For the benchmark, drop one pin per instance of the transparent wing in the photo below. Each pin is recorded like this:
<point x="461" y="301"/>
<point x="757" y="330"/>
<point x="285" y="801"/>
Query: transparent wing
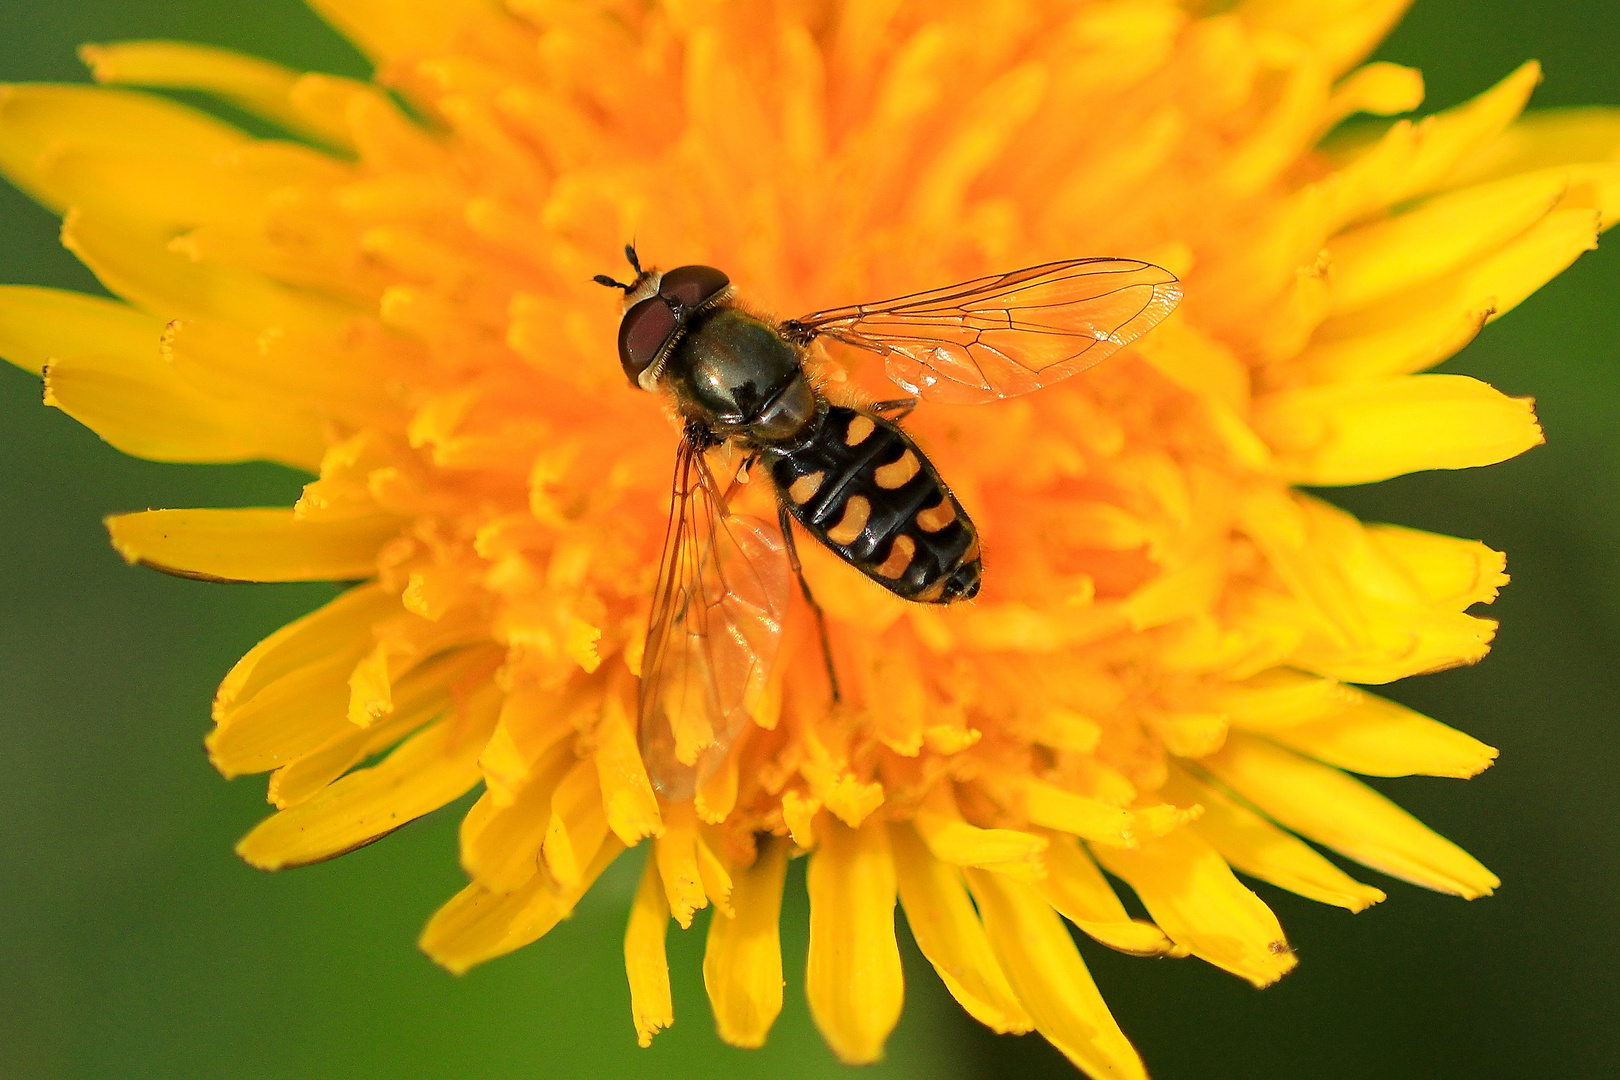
<point x="716" y="622"/>
<point x="1006" y="334"/>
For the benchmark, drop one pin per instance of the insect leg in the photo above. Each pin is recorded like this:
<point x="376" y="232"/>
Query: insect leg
<point x="896" y="409"/>
<point x="804" y="586"/>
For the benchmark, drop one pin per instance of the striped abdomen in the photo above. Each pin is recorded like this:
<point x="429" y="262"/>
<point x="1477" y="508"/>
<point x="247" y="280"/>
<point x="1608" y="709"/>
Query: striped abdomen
<point x="861" y="487"/>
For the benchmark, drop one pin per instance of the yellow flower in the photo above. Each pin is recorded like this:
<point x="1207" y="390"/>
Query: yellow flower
<point x="1156" y="680"/>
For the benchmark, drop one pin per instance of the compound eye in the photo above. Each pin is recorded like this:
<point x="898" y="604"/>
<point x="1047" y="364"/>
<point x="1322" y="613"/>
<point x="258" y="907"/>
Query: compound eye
<point x="642" y="334"/>
<point x="693" y="286"/>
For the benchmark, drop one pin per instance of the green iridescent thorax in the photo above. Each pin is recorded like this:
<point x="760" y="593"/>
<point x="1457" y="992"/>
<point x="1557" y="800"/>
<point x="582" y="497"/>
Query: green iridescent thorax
<point x="739" y="375"/>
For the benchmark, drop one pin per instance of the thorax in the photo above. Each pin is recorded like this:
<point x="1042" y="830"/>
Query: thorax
<point x="738" y="375"/>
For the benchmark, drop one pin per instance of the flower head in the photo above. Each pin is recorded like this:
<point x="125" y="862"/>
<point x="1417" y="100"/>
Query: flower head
<point x="1157" y="678"/>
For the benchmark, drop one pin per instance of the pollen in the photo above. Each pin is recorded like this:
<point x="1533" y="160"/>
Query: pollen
<point x="1160" y="685"/>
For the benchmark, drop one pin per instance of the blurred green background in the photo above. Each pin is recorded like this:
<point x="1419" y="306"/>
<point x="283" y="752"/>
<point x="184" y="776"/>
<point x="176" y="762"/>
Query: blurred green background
<point x="134" y="944"/>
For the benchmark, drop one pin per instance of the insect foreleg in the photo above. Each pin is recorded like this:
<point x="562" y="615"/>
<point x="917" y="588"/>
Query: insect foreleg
<point x="804" y="586"/>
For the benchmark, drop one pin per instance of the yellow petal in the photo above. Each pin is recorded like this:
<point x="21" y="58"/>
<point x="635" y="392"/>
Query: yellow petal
<point x="742" y="964"/>
<point x="978" y="136"/>
<point x="1542" y="138"/>
<point x="804" y="105"/>
<point x="1341" y="32"/>
<point x="1188" y="734"/>
<point x="950" y="935"/>
<point x="1407" y="160"/>
<point x="391" y="142"/>
<point x="1425" y="153"/>
<point x="1594" y="187"/>
<point x="952" y="840"/>
<point x="1280" y="259"/>
<point x="1055" y="808"/>
<point x="851" y="800"/>
<point x="1448" y="231"/>
<point x="676" y="853"/>
<point x="853" y="980"/>
<point x="632" y="808"/>
<point x="1181" y="593"/>
<point x="1193" y="896"/>
<point x="424" y="695"/>
<point x="343" y="623"/>
<point x="1280" y="697"/>
<point x="1290" y="120"/>
<point x="1065" y="729"/>
<point x="1124" y="164"/>
<point x="38" y="325"/>
<point x="1359" y="616"/>
<point x="1381" y="88"/>
<point x="1417" y="339"/>
<point x="1411" y="332"/>
<point x="1415" y="641"/>
<point x="1150" y="821"/>
<point x="718" y="793"/>
<point x="327" y="105"/>
<point x="167" y="195"/>
<point x="478" y="925"/>
<point x="576" y="827"/>
<point x="799" y="814"/>
<point x="402" y="642"/>
<point x="713" y="872"/>
<point x="500" y="845"/>
<point x="530" y="723"/>
<point x="296" y="714"/>
<point x="1323" y="804"/>
<point x="386" y="29"/>
<point x="1380" y="738"/>
<point x="1195" y="361"/>
<point x="146" y="409"/>
<point x="326" y="376"/>
<point x="1077" y="889"/>
<point x="143" y="269"/>
<point x="38" y="120"/>
<point x="1050" y="979"/>
<point x="646" y="962"/>
<point x="255" y="85"/>
<point x="1256" y="847"/>
<point x="426" y="772"/>
<point x="1359" y="433"/>
<point x="1349" y="728"/>
<point x="251" y="545"/>
<point x="1448" y="572"/>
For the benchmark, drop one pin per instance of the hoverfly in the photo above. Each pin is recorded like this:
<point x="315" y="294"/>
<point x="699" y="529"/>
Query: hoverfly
<point x="851" y="477"/>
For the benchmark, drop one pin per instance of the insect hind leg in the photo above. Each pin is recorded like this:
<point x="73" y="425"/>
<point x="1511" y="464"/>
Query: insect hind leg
<point x="809" y="598"/>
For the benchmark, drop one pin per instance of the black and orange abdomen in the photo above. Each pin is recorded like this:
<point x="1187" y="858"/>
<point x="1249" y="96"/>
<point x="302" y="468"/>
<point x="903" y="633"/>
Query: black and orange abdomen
<point x="860" y="486"/>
